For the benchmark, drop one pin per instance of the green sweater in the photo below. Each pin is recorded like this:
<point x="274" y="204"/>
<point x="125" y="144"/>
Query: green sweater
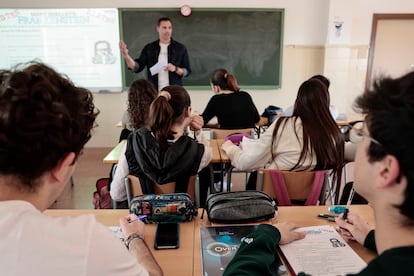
<point x="257" y="256"/>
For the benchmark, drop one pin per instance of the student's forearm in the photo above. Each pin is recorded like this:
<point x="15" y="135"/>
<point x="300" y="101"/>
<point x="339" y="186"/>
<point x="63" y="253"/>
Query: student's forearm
<point x="139" y="249"/>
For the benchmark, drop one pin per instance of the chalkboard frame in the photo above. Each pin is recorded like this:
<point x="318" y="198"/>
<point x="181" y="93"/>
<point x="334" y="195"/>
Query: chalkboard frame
<point x="275" y="72"/>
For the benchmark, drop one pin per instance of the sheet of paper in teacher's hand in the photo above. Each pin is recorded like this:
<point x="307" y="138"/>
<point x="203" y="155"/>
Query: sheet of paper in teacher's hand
<point x="160" y="65"/>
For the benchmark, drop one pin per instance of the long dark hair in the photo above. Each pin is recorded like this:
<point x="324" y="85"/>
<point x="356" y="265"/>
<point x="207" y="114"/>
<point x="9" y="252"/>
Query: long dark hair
<point x="321" y="135"/>
<point x="140" y="96"/>
<point x="166" y="110"/>
<point x="224" y="80"/>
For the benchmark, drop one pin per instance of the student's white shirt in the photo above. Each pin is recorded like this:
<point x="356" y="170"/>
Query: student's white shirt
<point x="163" y="77"/>
<point x="256" y="153"/>
<point x="118" y="192"/>
<point x="36" y="244"/>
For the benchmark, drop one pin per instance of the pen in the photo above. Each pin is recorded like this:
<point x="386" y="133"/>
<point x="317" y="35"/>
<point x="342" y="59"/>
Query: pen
<point x="329" y="217"/>
<point x="141" y="218"/>
<point x="345" y="215"/>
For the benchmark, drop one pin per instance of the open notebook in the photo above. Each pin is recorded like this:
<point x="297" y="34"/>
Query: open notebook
<point x="322" y="252"/>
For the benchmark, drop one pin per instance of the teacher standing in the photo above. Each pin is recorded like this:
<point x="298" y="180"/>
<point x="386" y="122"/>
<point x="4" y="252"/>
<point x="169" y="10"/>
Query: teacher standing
<point x="170" y="54"/>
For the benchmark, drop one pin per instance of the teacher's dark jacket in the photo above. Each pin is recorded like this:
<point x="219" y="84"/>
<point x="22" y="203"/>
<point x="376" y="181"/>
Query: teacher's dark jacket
<point x="177" y="55"/>
<point x="152" y="165"/>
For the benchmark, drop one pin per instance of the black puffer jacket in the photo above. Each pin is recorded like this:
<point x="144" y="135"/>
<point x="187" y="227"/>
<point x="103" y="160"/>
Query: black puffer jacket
<point x="152" y="165"/>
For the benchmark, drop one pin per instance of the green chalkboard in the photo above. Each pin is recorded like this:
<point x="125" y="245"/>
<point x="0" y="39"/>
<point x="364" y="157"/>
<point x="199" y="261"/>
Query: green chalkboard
<point x="248" y="43"/>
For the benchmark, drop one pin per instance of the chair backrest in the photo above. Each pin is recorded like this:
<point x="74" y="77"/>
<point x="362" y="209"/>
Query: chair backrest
<point x="286" y="186"/>
<point x="219" y="133"/>
<point x="133" y="188"/>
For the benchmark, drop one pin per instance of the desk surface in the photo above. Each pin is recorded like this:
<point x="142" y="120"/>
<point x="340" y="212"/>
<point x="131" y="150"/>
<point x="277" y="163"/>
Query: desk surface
<point x="172" y="260"/>
<point x="113" y="156"/>
<point x="302" y="216"/>
<point x="349" y="118"/>
<point x="223" y="156"/>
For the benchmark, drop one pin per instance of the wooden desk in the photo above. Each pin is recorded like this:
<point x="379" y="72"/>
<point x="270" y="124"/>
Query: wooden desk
<point x="349" y="118"/>
<point x="219" y="157"/>
<point x="262" y="122"/>
<point x="113" y="156"/>
<point x="173" y="262"/>
<point x="216" y="152"/>
<point x="302" y="216"/>
<point x="177" y="262"/>
<point x="223" y="156"/>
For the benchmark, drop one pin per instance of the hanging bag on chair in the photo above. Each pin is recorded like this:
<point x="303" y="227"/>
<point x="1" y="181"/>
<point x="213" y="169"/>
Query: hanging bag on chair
<point x="101" y="197"/>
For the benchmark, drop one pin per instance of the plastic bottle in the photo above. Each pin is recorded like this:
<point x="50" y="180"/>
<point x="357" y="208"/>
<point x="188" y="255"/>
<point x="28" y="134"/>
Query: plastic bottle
<point x="337" y="209"/>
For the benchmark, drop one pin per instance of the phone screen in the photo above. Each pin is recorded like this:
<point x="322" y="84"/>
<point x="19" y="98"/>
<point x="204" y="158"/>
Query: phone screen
<point x="167" y="236"/>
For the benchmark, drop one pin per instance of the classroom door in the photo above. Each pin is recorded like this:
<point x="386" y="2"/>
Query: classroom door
<point x="391" y="46"/>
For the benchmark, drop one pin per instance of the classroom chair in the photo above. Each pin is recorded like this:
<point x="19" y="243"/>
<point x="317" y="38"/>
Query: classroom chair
<point x="348" y="195"/>
<point x="294" y="188"/>
<point x="133" y="188"/>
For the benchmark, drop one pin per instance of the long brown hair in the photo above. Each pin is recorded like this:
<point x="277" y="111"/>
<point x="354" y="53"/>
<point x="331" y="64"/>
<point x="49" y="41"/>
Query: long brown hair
<point x="166" y="110"/>
<point x="321" y="135"/>
<point x="141" y="94"/>
<point x="224" y="80"/>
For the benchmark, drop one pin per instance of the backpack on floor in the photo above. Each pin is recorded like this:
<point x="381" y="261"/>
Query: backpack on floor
<point x="101" y="197"/>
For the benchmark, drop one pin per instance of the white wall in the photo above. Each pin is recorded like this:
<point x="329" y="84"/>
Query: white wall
<point x="307" y="26"/>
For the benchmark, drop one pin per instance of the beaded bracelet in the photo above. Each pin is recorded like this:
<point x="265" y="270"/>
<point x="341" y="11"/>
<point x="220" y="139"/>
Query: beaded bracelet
<point x="131" y="237"/>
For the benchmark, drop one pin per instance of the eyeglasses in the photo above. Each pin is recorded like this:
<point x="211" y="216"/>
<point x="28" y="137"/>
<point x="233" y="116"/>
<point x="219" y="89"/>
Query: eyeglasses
<point x="357" y="133"/>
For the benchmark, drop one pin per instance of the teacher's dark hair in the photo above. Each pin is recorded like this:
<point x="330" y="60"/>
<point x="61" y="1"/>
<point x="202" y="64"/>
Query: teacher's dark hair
<point x="163" y="19"/>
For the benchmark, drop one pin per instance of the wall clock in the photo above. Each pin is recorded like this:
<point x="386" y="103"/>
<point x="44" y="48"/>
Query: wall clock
<point x="185" y="10"/>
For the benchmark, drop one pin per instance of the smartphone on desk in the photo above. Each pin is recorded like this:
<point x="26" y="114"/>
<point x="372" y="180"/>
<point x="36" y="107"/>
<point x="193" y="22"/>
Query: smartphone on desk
<point x="167" y="236"/>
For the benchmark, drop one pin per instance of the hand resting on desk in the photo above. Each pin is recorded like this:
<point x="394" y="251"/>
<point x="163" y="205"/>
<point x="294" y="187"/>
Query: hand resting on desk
<point x="287" y="235"/>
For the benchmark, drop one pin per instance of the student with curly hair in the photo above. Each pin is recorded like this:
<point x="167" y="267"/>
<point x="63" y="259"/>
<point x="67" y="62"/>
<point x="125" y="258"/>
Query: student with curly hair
<point x="45" y="121"/>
